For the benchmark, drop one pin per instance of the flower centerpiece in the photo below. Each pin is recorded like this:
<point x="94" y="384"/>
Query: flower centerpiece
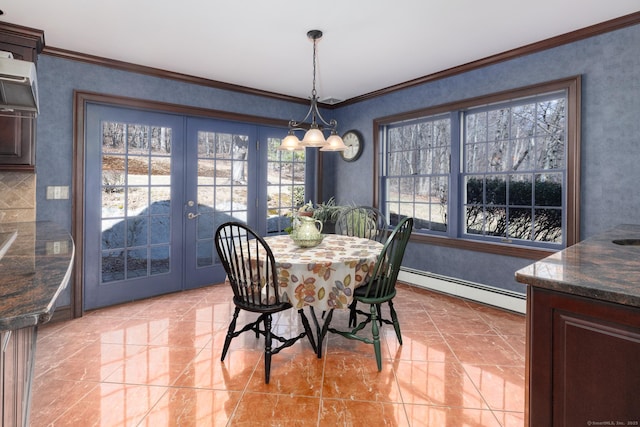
<point x="307" y="209"/>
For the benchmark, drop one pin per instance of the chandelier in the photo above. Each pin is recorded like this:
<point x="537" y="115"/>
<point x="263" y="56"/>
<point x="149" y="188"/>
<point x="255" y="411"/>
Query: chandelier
<point x="314" y="131"/>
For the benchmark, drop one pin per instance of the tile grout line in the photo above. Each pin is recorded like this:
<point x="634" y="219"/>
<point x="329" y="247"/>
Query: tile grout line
<point x="484" y="399"/>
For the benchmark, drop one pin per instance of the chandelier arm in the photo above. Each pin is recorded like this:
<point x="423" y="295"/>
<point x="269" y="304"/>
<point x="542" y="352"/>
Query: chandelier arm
<point x="313" y="112"/>
<point x="296" y="125"/>
<point x="331" y="124"/>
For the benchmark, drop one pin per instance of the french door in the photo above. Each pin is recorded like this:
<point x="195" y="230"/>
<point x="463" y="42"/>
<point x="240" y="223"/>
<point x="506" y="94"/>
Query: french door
<point x="158" y="185"/>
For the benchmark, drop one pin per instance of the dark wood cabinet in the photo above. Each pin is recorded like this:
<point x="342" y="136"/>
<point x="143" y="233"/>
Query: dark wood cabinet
<point x="583" y="365"/>
<point x="17" y="134"/>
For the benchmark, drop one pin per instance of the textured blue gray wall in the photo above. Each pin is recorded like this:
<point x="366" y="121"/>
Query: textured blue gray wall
<point x="609" y="64"/>
<point x="610" y="68"/>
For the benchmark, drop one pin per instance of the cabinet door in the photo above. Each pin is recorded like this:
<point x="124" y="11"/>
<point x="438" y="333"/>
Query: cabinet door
<point x="596" y="374"/>
<point x="582" y="361"/>
<point x="16" y="143"/>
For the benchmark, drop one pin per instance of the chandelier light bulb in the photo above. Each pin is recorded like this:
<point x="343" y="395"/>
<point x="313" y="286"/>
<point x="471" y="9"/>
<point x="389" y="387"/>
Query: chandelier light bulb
<point x="334" y="143"/>
<point x="314" y="138"/>
<point x="291" y="143"/>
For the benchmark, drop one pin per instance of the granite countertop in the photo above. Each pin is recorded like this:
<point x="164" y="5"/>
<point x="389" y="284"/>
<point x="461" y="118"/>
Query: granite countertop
<point x="595" y="268"/>
<point x="35" y="266"/>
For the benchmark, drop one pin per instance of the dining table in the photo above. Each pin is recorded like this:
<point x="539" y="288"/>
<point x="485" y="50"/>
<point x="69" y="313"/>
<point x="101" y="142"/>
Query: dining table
<point x="322" y="277"/>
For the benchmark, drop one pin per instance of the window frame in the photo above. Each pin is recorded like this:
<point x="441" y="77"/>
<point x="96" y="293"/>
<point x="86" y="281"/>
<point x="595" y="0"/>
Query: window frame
<point x="571" y="214"/>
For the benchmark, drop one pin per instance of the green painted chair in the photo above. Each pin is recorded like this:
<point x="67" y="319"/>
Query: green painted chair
<point x="362" y="221"/>
<point x="380" y="288"/>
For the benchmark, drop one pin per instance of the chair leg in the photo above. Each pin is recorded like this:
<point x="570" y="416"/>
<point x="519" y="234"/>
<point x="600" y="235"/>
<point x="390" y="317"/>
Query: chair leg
<point x="353" y="315"/>
<point x="267" y="348"/>
<point x="230" y="331"/>
<point x="376" y="335"/>
<point x="307" y="330"/>
<point x="323" y="332"/>
<point x="396" y="324"/>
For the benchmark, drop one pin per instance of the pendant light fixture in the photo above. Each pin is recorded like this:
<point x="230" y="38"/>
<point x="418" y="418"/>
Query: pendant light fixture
<point x="314" y="131"/>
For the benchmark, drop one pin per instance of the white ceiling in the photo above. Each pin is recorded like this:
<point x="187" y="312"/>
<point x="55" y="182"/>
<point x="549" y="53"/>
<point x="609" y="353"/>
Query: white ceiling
<point x="367" y="45"/>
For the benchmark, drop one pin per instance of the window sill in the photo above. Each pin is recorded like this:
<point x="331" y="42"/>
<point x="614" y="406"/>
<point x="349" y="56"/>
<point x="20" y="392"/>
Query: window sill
<point x="486" y="247"/>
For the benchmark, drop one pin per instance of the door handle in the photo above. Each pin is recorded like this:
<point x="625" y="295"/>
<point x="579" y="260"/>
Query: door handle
<point x="191" y="215"/>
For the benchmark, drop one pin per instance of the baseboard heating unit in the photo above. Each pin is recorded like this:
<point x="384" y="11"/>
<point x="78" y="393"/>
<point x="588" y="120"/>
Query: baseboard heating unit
<point x="505" y="299"/>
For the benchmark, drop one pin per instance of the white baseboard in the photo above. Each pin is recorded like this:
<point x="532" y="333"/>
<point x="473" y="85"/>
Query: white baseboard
<point x="508" y="300"/>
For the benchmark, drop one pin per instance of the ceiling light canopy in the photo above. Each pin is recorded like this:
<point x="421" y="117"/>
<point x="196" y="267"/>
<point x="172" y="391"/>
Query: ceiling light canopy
<point x="314" y="131"/>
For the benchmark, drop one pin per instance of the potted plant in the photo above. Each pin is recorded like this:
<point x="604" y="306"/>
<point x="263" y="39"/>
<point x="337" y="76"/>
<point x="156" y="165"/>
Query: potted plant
<point x="360" y="223"/>
<point x="328" y="212"/>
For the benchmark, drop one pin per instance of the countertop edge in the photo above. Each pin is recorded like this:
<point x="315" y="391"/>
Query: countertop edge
<point x="36" y="267"/>
<point x="595" y="268"/>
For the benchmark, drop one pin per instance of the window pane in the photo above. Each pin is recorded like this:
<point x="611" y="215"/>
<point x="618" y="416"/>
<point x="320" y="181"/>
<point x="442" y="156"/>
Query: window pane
<point x="549" y="154"/>
<point x="523" y="120"/>
<point x="498" y="160"/>
<point x="476" y="158"/>
<point x="495" y="190"/>
<point x="496" y="221"/>
<point x="548" y="190"/>
<point x="393" y="189"/>
<point x="160" y="260"/>
<point x="476" y="127"/>
<point x="394" y="164"/>
<point x="474" y="219"/>
<point x="520" y="154"/>
<point x="548" y="225"/>
<point x="138" y="139"/>
<point x="112" y="266"/>
<point x="441" y="162"/>
<point x="520" y="224"/>
<point x="424" y="162"/>
<point x="498" y="124"/>
<point x="113" y="137"/>
<point x="520" y="189"/>
<point x="475" y="190"/>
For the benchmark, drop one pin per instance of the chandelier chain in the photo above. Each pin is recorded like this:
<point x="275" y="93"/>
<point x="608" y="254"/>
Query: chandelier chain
<point x="313" y="91"/>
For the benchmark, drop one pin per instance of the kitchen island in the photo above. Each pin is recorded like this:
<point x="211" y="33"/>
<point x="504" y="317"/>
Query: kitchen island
<point x="36" y="260"/>
<point x="583" y="333"/>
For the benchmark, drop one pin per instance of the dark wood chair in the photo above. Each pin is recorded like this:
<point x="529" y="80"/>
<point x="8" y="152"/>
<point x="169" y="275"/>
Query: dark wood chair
<point x="251" y="272"/>
<point x="380" y="288"/>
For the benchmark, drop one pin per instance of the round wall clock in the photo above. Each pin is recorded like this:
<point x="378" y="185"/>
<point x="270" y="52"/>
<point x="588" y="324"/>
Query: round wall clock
<point x="354" y="142"/>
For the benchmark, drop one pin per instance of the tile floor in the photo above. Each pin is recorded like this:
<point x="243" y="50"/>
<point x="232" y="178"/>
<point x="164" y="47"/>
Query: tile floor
<point x="157" y="363"/>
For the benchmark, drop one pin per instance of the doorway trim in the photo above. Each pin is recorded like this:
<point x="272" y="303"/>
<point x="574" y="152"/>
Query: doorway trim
<point x="80" y="101"/>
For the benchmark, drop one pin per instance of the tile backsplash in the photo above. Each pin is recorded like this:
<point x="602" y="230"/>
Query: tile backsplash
<point x="17" y="196"/>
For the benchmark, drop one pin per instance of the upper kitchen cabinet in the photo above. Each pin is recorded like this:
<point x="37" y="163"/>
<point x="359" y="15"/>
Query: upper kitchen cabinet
<point x="18" y="129"/>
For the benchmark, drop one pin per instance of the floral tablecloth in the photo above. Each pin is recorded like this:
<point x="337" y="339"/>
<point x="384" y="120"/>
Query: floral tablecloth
<point x="324" y="276"/>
